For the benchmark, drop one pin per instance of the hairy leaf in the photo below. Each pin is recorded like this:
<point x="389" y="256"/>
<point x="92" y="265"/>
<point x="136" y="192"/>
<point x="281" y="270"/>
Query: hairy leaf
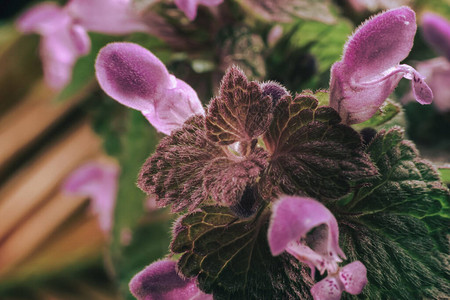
<point x="175" y="171"/>
<point x="225" y="180"/>
<point x="311" y="152"/>
<point x="232" y="260"/>
<point x="397" y="224"/>
<point x="240" y="112"/>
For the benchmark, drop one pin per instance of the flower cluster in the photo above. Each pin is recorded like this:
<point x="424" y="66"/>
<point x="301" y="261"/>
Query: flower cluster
<point x="258" y="150"/>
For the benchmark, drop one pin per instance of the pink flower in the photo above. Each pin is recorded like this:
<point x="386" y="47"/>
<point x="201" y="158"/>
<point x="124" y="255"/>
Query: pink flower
<point x="293" y="219"/>
<point x="160" y="281"/>
<point x="63" y="41"/>
<point x="189" y="7"/>
<point x="437" y="73"/>
<point x="369" y="70"/>
<point x="106" y="16"/>
<point x="136" y="78"/>
<point x="436" y="31"/>
<point x="64" y="31"/>
<point x="99" y="182"/>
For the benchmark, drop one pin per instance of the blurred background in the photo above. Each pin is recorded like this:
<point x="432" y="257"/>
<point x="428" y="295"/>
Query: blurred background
<point x="51" y="243"/>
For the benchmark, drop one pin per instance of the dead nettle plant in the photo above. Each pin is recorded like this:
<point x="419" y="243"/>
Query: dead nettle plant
<point x="271" y="186"/>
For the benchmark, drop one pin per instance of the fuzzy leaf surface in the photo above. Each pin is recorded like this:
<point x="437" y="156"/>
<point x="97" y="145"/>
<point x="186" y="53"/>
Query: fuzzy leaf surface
<point x="397" y="224"/>
<point x="232" y="260"/>
<point x="312" y="153"/>
<point x="240" y="113"/>
<point x="175" y="171"/>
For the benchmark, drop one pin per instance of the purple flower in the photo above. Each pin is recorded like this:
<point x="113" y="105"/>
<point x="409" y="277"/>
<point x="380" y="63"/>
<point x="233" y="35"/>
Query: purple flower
<point x="436" y="31"/>
<point x="62" y="43"/>
<point x="64" y="31"/>
<point x="160" y="281"/>
<point x="369" y="70"/>
<point x="352" y="278"/>
<point x="106" y="16"/>
<point x="437" y="73"/>
<point x="189" y="7"/>
<point x="136" y="78"/>
<point x="99" y="182"/>
<point x="306" y="229"/>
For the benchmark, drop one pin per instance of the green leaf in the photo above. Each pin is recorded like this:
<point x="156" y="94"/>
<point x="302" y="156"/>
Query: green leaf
<point x="445" y="174"/>
<point x="311" y="152"/>
<point x="397" y="224"/>
<point x="232" y="260"/>
<point x="385" y="113"/>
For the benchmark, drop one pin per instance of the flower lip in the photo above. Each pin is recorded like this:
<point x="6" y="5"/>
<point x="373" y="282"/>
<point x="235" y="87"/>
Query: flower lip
<point x="292" y="219"/>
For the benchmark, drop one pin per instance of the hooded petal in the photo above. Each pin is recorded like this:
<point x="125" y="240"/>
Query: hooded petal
<point x="160" y="281"/>
<point x="107" y="16"/>
<point x="132" y="75"/>
<point x="292" y="219"/>
<point x="189" y="7"/>
<point x="436" y="31"/>
<point x="59" y="52"/>
<point x="99" y="182"/>
<point x="369" y="70"/>
<point x="43" y="18"/>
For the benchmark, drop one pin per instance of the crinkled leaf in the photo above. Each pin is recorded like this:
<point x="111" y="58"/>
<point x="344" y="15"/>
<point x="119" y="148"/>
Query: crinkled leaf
<point x="397" y="224"/>
<point x="232" y="260"/>
<point x="225" y="180"/>
<point x="175" y="171"/>
<point x="287" y="10"/>
<point x="240" y="112"/>
<point x="385" y="113"/>
<point x="312" y="152"/>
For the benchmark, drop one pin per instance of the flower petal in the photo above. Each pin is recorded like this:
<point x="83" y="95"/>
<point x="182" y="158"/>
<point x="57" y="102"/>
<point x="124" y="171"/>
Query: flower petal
<point x="160" y="281"/>
<point x="436" y="31"/>
<point x="43" y="18"/>
<point x="174" y="108"/>
<point x="380" y="43"/>
<point x="327" y="289"/>
<point x="293" y="217"/>
<point x="99" y="182"/>
<point x="132" y="75"/>
<point x="107" y="16"/>
<point x="354" y="277"/>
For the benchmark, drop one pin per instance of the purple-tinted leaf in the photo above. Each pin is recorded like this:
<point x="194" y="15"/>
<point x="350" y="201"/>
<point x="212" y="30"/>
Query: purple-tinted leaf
<point x="189" y="7"/>
<point x="369" y="70"/>
<point x="275" y="90"/>
<point x="132" y="75"/>
<point x="225" y="180"/>
<point x="160" y="281"/>
<point x="175" y="171"/>
<point x="311" y="153"/>
<point x="106" y="16"/>
<point x="292" y="219"/>
<point x="99" y="182"/>
<point x="240" y="112"/>
<point x="436" y="31"/>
